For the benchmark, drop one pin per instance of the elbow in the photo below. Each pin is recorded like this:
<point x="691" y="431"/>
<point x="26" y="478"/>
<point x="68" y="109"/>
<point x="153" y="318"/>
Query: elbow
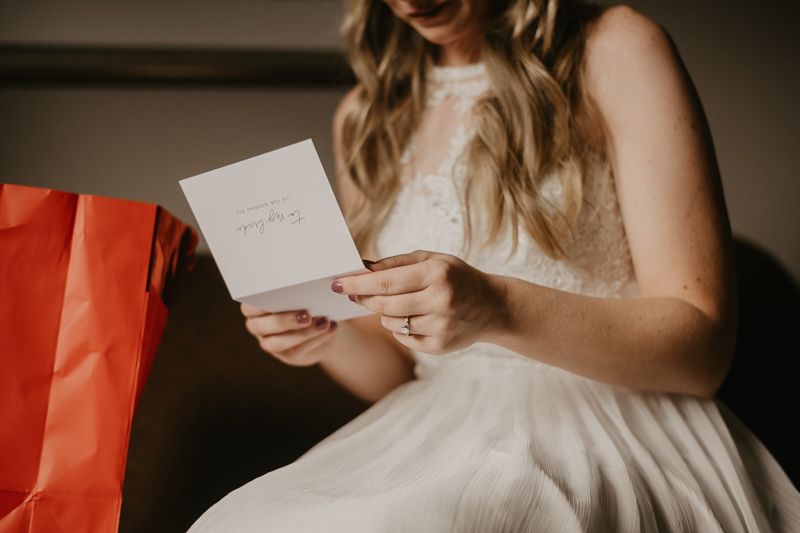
<point x="707" y="388"/>
<point x="715" y="360"/>
<point x="715" y="377"/>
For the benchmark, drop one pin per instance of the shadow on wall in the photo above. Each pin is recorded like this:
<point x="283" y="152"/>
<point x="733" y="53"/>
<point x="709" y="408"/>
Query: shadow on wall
<point x="761" y="387"/>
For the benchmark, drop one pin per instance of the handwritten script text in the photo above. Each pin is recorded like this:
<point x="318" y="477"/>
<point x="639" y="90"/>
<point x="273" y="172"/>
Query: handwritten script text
<point x="274" y="217"/>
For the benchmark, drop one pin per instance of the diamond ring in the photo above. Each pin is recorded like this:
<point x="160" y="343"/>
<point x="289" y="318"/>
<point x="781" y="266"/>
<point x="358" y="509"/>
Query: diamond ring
<point x="404" y="330"/>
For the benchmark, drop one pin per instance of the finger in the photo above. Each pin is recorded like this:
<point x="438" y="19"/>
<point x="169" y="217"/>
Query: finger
<point x="399" y="280"/>
<point x="417" y="325"/>
<point x="303" y="354"/>
<point x="273" y="323"/>
<point x="421" y="343"/>
<point x="287" y="340"/>
<point x="398" y="305"/>
<point x="249" y="310"/>
<point x="400" y="260"/>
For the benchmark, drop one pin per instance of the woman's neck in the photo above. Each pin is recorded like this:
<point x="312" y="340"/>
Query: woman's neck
<point x="464" y="51"/>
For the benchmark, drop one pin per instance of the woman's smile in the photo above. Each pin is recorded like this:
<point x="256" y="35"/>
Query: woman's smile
<point x="433" y="15"/>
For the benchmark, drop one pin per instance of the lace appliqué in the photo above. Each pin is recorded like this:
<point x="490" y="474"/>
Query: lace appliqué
<point x="467" y="93"/>
<point x="467" y="83"/>
<point x="458" y="144"/>
<point x="410" y="150"/>
<point x="601" y="245"/>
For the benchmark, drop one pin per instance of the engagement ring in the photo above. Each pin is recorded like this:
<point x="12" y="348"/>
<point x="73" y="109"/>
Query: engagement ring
<point x="404" y="330"/>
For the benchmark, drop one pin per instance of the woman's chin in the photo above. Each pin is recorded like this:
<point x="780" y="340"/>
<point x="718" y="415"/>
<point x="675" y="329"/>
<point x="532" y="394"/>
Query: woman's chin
<point x="438" y="36"/>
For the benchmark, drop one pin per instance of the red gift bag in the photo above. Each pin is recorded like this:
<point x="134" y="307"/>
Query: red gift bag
<point x="81" y="316"/>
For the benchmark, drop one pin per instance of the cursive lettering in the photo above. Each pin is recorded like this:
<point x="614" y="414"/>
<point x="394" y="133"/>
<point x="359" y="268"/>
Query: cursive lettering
<point x="259" y="224"/>
<point x="274" y="217"/>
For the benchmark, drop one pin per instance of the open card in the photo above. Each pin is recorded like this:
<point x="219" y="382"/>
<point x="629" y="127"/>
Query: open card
<point x="276" y="232"/>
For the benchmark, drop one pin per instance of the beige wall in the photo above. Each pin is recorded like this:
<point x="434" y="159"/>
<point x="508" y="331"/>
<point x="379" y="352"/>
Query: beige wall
<point x="136" y="143"/>
<point x="292" y="24"/>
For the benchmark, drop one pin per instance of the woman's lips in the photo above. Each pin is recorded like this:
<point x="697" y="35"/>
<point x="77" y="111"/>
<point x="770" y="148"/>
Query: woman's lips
<point x="430" y="12"/>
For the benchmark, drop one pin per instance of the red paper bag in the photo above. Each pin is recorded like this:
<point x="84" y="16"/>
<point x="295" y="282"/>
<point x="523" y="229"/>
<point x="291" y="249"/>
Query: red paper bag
<point x="81" y="316"/>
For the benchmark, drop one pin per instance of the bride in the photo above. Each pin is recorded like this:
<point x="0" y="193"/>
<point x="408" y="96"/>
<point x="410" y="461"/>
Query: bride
<point x="549" y="363"/>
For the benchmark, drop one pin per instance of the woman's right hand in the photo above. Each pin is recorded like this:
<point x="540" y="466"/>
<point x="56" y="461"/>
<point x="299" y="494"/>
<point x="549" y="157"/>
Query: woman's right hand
<point x="291" y="337"/>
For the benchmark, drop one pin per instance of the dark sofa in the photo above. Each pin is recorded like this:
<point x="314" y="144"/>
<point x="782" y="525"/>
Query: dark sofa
<point x="218" y="412"/>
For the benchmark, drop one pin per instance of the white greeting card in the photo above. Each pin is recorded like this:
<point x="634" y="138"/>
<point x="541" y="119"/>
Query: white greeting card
<point x="276" y="232"/>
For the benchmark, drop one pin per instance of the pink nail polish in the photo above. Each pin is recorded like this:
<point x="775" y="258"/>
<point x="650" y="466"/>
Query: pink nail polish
<point x="334" y="325"/>
<point x="322" y="323"/>
<point x="352" y="297"/>
<point x="336" y="287"/>
<point x="302" y="317"/>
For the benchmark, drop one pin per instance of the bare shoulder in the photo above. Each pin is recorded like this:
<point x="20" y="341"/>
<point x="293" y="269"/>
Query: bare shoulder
<point x="623" y="45"/>
<point x="632" y="68"/>
<point x="623" y="30"/>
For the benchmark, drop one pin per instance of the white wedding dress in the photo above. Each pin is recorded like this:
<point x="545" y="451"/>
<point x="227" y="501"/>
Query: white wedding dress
<point x="485" y="440"/>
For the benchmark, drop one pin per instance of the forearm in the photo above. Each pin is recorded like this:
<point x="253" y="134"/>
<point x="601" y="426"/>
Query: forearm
<point x="663" y="344"/>
<point x="364" y="359"/>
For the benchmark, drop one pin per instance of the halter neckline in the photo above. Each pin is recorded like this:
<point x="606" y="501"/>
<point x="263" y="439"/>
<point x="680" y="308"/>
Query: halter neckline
<point x="456" y="73"/>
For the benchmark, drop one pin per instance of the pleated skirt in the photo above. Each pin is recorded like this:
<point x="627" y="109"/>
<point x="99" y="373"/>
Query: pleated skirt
<point x="491" y="442"/>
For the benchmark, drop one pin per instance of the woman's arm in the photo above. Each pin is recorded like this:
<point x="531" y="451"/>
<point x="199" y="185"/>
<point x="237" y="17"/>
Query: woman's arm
<point x="359" y="354"/>
<point x="679" y="336"/>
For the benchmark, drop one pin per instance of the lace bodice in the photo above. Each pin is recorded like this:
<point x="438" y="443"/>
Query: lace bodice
<point x="428" y="214"/>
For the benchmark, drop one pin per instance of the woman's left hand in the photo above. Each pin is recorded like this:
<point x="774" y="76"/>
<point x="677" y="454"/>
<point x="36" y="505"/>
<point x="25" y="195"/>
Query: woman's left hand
<point x="450" y="304"/>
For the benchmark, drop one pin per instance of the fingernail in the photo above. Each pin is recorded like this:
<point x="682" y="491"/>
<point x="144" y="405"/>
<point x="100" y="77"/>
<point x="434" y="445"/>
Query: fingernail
<point x="302" y="317"/>
<point x="336" y="287"/>
<point x="368" y="262"/>
<point x="334" y="325"/>
<point x="322" y="323"/>
<point x="352" y="297"/>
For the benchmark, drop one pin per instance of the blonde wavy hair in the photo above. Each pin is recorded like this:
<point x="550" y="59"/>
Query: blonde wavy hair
<point x="525" y="127"/>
